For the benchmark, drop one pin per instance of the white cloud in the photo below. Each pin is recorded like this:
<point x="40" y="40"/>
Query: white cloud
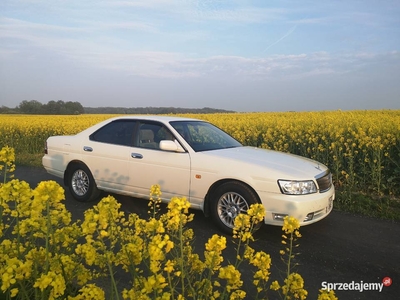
<point x="108" y="54"/>
<point x="17" y="25"/>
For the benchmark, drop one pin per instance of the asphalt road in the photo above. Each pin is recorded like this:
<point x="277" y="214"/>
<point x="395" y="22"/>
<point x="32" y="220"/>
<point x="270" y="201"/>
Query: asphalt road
<point x="342" y="248"/>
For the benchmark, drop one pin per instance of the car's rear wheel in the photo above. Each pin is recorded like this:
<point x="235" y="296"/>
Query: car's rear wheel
<point x="229" y="200"/>
<point x="81" y="183"/>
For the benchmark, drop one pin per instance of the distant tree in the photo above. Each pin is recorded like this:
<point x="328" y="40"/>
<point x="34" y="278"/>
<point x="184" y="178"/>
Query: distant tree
<point x="152" y="110"/>
<point x="74" y="108"/>
<point x="5" y="110"/>
<point x="31" y="107"/>
<point x="51" y="108"/>
<point x="62" y="108"/>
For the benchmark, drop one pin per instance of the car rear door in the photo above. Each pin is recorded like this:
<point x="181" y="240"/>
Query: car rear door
<point x="107" y="152"/>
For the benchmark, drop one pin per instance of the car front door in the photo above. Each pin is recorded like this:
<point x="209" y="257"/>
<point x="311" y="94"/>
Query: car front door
<point x="149" y="165"/>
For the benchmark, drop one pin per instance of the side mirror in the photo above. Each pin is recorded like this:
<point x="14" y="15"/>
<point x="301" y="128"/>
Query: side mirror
<point x="169" y="145"/>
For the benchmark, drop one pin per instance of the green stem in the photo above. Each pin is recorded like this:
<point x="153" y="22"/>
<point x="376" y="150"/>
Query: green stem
<point x="18" y="235"/>
<point x="182" y="258"/>
<point x="47" y="236"/>
<point x="171" y="290"/>
<point x="290" y="255"/>
<point x="5" y="174"/>
<point x="287" y="296"/>
<point x="113" y="283"/>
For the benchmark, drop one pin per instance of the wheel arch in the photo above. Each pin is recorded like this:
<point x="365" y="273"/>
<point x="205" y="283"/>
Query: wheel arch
<point x="68" y="169"/>
<point x="215" y="185"/>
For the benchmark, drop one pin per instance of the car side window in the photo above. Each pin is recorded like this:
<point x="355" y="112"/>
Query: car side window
<point x="118" y="132"/>
<point x="150" y="135"/>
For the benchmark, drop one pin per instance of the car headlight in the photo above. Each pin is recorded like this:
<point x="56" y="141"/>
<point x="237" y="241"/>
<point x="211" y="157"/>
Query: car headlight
<point x="293" y="187"/>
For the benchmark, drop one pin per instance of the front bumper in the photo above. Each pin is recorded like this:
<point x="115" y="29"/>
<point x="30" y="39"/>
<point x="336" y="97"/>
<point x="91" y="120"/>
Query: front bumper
<point x="307" y="209"/>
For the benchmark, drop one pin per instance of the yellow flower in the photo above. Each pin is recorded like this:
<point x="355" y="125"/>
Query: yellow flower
<point x="155" y="190"/>
<point x="256" y="212"/>
<point x="44" y="281"/>
<point x="275" y="286"/>
<point x="242" y="223"/>
<point x="154" y="283"/>
<point x="238" y="294"/>
<point x="7" y="159"/>
<point x="177" y="214"/>
<point x="88" y="251"/>
<point x="53" y="280"/>
<point x="7" y="279"/>
<point x="131" y="253"/>
<point x="248" y="252"/>
<point x="14" y="292"/>
<point x="326" y="295"/>
<point x="169" y="266"/>
<point x="294" y="285"/>
<point x="216" y="243"/>
<point x="290" y="224"/>
<point x="232" y="277"/>
<point x="89" y="292"/>
<point x="154" y="225"/>
<point x="214" y="247"/>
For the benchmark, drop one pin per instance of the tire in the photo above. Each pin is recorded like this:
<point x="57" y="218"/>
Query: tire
<point x="81" y="183"/>
<point x="229" y="200"/>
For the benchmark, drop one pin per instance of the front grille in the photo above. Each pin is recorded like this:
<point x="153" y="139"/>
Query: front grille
<point x="324" y="181"/>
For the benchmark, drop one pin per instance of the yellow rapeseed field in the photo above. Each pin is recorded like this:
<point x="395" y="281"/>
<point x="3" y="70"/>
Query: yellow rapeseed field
<point x="362" y="148"/>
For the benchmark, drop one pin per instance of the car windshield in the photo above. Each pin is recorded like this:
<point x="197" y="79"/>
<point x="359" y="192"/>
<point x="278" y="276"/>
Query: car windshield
<point x="203" y="136"/>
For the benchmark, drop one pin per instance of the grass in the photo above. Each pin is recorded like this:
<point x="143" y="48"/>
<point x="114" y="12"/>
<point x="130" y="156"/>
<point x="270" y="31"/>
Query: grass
<point x="28" y="159"/>
<point x="385" y="207"/>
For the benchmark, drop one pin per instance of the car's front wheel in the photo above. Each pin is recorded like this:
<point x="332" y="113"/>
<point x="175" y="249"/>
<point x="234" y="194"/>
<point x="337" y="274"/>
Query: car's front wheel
<point x="81" y="183"/>
<point x="229" y="200"/>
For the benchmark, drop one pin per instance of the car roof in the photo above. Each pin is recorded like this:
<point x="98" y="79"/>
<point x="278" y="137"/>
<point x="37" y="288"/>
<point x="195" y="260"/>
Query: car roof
<point x="154" y="118"/>
<point x="159" y="118"/>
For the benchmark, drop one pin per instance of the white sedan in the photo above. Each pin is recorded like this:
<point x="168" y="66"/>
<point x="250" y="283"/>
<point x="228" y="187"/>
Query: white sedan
<point x="189" y="158"/>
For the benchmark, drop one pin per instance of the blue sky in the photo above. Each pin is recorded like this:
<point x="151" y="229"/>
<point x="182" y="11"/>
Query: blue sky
<point x="235" y="55"/>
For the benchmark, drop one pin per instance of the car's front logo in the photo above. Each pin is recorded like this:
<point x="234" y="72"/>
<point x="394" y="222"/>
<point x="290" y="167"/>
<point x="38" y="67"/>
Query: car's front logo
<point x="318" y="167"/>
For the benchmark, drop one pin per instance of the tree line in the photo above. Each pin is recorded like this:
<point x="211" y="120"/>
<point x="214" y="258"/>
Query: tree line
<point x="153" y="110"/>
<point x="75" y="108"/>
<point x="34" y="107"/>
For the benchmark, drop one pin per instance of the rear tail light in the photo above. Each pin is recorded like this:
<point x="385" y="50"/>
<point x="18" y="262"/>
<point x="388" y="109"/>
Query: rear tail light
<point x="45" y="148"/>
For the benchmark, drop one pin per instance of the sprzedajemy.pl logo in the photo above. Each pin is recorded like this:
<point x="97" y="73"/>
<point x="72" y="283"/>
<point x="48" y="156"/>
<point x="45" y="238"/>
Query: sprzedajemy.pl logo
<point x="357" y="286"/>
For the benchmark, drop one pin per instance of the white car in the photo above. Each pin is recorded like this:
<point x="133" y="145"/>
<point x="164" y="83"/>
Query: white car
<point x="194" y="159"/>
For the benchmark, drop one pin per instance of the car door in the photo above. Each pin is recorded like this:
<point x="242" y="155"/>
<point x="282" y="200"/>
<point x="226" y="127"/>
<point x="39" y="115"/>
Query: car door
<point x="107" y="152"/>
<point x="149" y="165"/>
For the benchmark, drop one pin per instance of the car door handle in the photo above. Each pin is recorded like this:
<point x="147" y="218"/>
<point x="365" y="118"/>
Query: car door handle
<point x="136" y="155"/>
<point x="87" y="149"/>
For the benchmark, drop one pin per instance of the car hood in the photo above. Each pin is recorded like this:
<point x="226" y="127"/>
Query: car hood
<point x="283" y="165"/>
